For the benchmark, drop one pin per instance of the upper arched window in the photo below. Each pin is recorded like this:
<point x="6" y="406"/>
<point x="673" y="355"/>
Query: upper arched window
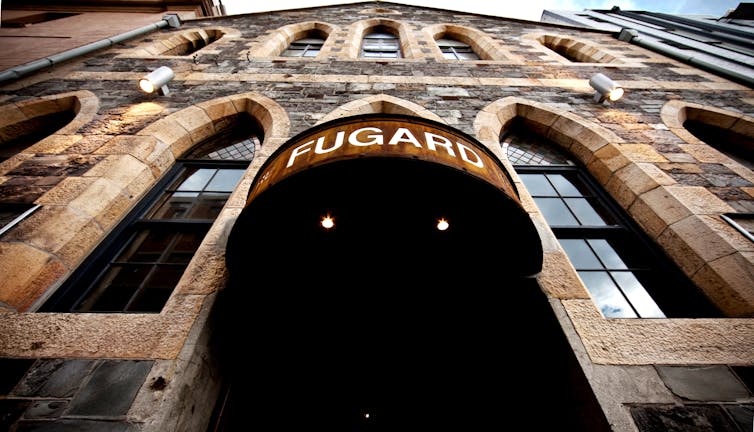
<point x="138" y="270"/>
<point x="19" y="130"/>
<point x="381" y="43"/>
<point x="308" y="46"/>
<point x="186" y="42"/>
<point x="733" y="141"/>
<point x="453" y="49"/>
<point x="576" y="51"/>
<point x="625" y="274"/>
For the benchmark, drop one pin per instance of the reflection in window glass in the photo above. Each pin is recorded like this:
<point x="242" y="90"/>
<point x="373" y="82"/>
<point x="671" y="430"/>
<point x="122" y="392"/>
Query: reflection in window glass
<point x="555" y="211"/>
<point x="606" y="295"/>
<point x="537" y="185"/>
<point x="583" y="211"/>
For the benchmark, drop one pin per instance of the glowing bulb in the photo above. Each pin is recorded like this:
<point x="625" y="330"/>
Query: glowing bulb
<point x="615" y="94"/>
<point x="146" y="86"/>
<point x="366" y="415"/>
<point x="328" y="222"/>
<point x="442" y="224"/>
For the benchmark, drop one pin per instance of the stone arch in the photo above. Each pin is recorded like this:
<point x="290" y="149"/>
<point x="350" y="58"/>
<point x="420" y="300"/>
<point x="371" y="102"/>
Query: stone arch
<point x="586" y="141"/>
<point x="181" y="130"/>
<point x="81" y="212"/>
<point x="482" y="44"/>
<point x="380" y="103"/>
<point x="188" y="42"/>
<point x="573" y="49"/>
<point x="681" y="219"/>
<point x="277" y="42"/>
<point x="56" y="116"/>
<point x="357" y="30"/>
<point x="696" y="123"/>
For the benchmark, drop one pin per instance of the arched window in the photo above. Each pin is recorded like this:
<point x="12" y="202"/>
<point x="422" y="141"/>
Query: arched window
<point x="456" y="50"/>
<point x="731" y="140"/>
<point x="139" y="265"/>
<point x="576" y="51"/>
<point x="306" y="47"/>
<point x="627" y="276"/>
<point x="380" y="43"/>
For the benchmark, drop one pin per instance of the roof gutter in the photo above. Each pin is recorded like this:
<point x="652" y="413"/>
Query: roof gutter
<point x="169" y="20"/>
<point x="632" y="36"/>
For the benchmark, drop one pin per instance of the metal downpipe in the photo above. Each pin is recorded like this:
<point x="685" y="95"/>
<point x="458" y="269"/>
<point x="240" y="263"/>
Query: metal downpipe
<point x="632" y="36"/>
<point x="33" y="66"/>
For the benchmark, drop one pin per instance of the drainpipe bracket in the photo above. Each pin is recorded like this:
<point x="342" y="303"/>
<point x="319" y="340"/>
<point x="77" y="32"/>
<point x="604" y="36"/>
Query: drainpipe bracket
<point x="172" y="19"/>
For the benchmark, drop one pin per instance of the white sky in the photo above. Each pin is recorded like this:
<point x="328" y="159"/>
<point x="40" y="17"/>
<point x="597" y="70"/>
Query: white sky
<point x="522" y="9"/>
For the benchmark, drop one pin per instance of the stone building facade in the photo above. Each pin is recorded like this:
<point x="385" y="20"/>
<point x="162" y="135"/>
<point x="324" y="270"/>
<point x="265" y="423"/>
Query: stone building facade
<point x="452" y="332"/>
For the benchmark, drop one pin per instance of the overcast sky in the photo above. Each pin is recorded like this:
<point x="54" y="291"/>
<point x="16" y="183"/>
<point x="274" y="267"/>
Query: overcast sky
<point x="522" y="9"/>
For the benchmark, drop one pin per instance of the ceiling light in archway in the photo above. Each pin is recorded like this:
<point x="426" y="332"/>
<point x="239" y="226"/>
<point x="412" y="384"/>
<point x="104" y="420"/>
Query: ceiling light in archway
<point x="327" y="222"/>
<point x="442" y="224"/>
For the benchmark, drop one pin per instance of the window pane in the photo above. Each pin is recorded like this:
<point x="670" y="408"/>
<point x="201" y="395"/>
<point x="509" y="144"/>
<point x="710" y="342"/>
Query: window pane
<point x="208" y="206"/>
<point x="607" y="254"/>
<point x="637" y="295"/>
<point x="177" y="206"/>
<point x="115" y="289"/>
<point x="197" y="180"/>
<point x="580" y="254"/>
<point x="449" y="55"/>
<point x="242" y="150"/>
<point x="564" y="186"/>
<point x="225" y="180"/>
<point x="537" y="185"/>
<point x="606" y="295"/>
<point x="146" y="246"/>
<point x="584" y="211"/>
<point x="156" y="289"/>
<point x="555" y="212"/>
<point x="468" y="56"/>
<point x="184" y="247"/>
<point x="311" y="53"/>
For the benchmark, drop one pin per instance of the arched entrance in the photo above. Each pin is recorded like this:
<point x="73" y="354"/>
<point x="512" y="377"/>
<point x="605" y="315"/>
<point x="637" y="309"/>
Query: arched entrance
<point x="384" y="321"/>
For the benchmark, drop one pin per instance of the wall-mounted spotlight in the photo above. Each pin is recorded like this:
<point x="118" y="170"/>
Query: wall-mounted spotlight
<point x="607" y="89"/>
<point x="157" y="80"/>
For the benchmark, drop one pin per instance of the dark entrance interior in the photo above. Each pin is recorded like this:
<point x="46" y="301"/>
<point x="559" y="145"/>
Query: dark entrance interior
<point x="384" y="322"/>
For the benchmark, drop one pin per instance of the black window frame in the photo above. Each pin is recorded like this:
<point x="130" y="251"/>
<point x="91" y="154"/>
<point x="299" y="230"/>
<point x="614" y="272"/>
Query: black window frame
<point x="383" y="52"/>
<point x="302" y="47"/>
<point x="659" y="275"/>
<point x="87" y="275"/>
<point x="453" y="49"/>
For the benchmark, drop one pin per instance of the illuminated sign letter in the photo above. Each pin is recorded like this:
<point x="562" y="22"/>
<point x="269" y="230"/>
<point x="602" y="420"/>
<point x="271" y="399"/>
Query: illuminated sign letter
<point x="465" y="155"/>
<point x="353" y="139"/>
<point x="404" y="135"/>
<point x="298" y="151"/>
<point x="319" y="148"/>
<point x="434" y="140"/>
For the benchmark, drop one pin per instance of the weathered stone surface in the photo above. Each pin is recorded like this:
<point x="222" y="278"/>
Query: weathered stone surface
<point x="661" y="341"/>
<point x="702" y="418"/>
<point x="56" y="378"/>
<point x="560" y="280"/>
<point x="703" y="383"/>
<point x="27" y="273"/>
<point x="111" y="389"/>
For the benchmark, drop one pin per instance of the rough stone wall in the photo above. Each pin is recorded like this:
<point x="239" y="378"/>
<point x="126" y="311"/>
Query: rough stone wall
<point x="307" y="90"/>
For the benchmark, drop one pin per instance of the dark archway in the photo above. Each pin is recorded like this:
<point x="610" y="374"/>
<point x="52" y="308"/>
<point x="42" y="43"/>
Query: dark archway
<point x="386" y="316"/>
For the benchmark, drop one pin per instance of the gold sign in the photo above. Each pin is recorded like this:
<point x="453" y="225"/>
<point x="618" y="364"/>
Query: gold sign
<point x="382" y="136"/>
